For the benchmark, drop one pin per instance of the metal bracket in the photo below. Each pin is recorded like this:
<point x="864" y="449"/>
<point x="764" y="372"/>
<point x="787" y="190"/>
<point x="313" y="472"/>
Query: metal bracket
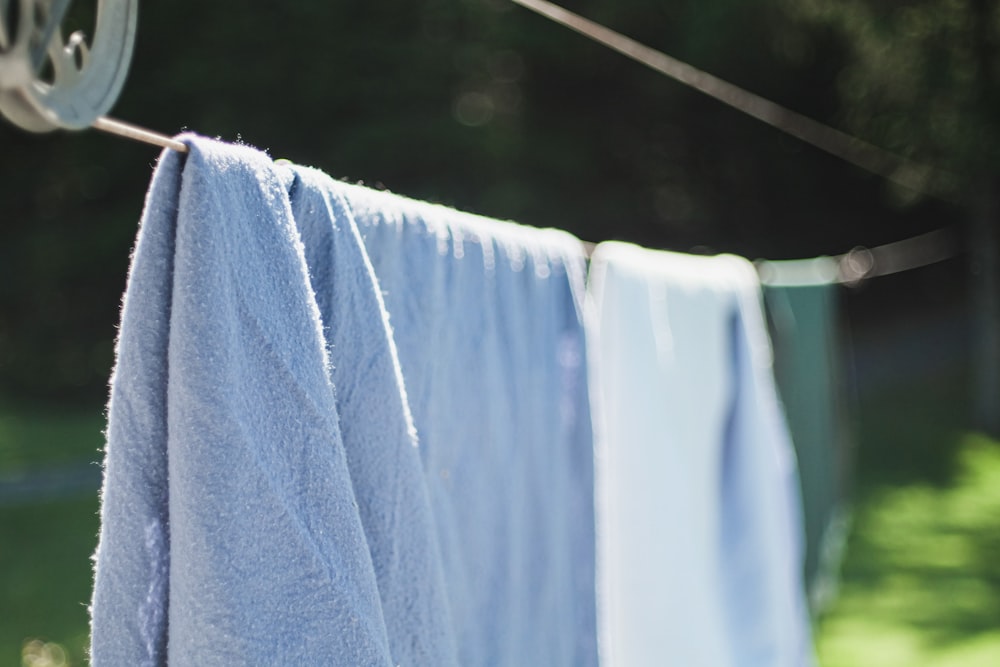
<point x="85" y="80"/>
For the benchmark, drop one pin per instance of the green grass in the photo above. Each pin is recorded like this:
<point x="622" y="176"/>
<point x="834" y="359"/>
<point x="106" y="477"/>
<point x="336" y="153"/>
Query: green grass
<point x="921" y="582"/>
<point x="37" y="436"/>
<point x="45" y="577"/>
<point x="45" y="548"/>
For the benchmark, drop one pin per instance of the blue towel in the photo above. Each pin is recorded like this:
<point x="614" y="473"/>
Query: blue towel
<point x="232" y="528"/>
<point x="269" y="498"/>
<point x="487" y="319"/>
<point x="376" y="426"/>
<point x="699" y="528"/>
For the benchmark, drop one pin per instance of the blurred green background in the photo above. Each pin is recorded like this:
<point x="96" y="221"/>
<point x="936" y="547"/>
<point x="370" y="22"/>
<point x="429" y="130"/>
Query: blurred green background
<point x="482" y="105"/>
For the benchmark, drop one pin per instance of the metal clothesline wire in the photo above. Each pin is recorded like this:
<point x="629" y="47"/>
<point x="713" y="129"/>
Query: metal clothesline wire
<point x="861" y="263"/>
<point x="917" y="177"/>
<point x="136" y="133"/>
<point x="854" y="266"/>
<point x="867" y="156"/>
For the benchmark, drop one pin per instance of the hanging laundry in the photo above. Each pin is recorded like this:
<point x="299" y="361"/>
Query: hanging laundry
<point x="803" y="306"/>
<point x="239" y="522"/>
<point x="269" y="498"/>
<point x="487" y="319"/>
<point x="698" y="511"/>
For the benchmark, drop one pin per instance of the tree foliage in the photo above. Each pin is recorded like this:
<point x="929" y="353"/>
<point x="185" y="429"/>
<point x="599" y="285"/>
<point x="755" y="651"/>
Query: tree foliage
<point x="920" y="77"/>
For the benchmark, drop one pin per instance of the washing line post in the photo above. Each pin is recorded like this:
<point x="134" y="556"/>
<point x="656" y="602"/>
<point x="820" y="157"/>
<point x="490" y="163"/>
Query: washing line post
<point x="985" y="291"/>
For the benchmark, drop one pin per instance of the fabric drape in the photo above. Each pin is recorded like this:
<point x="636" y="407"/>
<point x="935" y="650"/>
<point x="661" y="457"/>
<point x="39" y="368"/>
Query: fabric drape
<point x="699" y="527"/>
<point x="804" y="309"/>
<point x="271" y="496"/>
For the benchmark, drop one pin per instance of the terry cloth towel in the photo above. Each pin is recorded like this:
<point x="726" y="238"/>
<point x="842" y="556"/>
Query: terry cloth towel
<point x="263" y="498"/>
<point x="487" y="319"/>
<point x="803" y="306"/>
<point x="698" y="511"/>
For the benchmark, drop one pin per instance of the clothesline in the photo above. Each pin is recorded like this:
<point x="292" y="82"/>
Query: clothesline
<point x="136" y="133"/>
<point x="917" y="177"/>
<point x="854" y="266"/>
<point x="895" y="168"/>
<point x="860" y="263"/>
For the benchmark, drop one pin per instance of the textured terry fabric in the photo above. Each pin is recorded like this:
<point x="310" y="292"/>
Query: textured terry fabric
<point x="699" y="535"/>
<point x="243" y="520"/>
<point x="270" y="499"/>
<point x="379" y="439"/>
<point x="486" y="317"/>
<point x="803" y="307"/>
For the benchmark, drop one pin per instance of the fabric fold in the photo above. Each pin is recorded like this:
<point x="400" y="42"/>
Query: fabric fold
<point x="487" y="319"/>
<point x="699" y="527"/>
<point x="813" y="375"/>
<point x="229" y="528"/>
<point x="288" y="480"/>
<point x="380" y="439"/>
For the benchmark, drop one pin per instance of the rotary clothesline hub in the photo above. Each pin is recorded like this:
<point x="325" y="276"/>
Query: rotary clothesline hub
<point x="49" y="83"/>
